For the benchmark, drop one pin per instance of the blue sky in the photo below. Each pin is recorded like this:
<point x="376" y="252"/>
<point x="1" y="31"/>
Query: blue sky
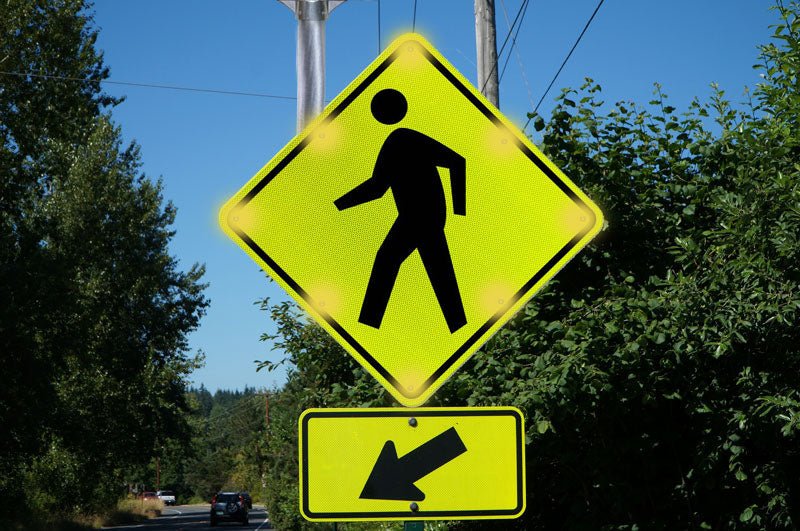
<point x="206" y="146"/>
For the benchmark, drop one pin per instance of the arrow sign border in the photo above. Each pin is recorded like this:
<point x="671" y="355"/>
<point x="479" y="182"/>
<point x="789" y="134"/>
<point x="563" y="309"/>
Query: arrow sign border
<point x="419" y="413"/>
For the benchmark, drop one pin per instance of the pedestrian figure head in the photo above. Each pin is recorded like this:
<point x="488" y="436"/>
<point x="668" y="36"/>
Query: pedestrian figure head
<point x="389" y="106"/>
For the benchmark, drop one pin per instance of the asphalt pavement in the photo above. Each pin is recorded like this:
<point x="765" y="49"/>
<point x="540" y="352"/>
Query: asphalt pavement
<point x="196" y="518"/>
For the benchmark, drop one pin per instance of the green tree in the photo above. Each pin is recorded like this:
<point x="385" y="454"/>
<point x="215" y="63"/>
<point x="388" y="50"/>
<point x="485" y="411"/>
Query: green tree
<point x="658" y="371"/>
<point x="95" y="311"/>
<point x="320" y="374"/>
<point x="35" y="112"/>
<point x="228" y="450"/>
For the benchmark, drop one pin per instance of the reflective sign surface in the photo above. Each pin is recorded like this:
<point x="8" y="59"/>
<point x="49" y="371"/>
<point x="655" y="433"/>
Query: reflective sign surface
<point x="411" y="219"/>
<point x="412" y="464"/>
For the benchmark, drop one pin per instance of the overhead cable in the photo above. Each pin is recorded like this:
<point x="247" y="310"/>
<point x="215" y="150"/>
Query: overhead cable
<point x="513" y="41"/>
<point x="586" y="27"/>
<point x="505" y="41"/>
<point x="148" y="85"/>
<point x="519" y="59"/>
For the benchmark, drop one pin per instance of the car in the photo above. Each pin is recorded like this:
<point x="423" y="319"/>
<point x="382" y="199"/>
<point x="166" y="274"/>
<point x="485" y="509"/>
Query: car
<point x="247" y="499"/>
<point x="166" y="496"/>
<point x="148" y="495"/>
<point x="229" y="506"/>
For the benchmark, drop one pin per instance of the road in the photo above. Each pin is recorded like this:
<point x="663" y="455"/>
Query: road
<point x="195" y="518"/>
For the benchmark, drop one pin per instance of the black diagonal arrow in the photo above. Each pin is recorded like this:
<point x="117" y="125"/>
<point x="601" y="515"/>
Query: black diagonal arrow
<point x="393" y="478"/>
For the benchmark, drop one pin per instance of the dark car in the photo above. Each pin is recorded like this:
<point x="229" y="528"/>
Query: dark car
<point x="148" y="495"/>
<point x="229" y="507"/>
<point x="247" y="499"/>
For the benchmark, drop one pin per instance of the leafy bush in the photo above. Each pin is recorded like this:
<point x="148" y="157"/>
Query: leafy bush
<point x="659" y="371"/>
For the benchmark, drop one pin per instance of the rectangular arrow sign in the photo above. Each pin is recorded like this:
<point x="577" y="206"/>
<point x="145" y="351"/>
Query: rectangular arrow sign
<point x="412" y="464"/>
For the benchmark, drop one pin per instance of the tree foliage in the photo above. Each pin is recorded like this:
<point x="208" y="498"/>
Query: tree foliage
<point x="95" y="312"/>
<point x="658" y="371"/>
<point x="229" y="446"/>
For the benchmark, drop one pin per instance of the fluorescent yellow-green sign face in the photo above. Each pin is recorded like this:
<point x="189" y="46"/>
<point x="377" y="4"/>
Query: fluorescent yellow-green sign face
<point x="411" y="219"/>
<point x="412" y="464"/>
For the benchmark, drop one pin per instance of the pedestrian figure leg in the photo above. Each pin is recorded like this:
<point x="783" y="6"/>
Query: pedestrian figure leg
<point x="393" y="252"/>
<point x="436" y="258"/>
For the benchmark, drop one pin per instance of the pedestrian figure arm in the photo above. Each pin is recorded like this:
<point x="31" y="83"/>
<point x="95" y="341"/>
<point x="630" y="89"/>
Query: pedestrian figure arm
<point x="447" y="158"/>
<point x="372" y="188"/>
<point x="458" y="185"/>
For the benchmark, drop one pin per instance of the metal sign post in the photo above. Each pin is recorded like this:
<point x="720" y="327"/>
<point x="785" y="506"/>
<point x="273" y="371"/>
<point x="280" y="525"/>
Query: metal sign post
<point x="311" y="16"/>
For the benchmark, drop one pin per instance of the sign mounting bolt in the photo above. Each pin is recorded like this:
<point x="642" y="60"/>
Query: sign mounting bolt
<point x="413" y="423"/>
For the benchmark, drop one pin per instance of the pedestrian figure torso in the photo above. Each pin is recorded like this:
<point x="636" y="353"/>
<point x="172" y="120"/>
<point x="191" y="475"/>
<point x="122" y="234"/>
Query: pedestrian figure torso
<point x="408" y="164"/>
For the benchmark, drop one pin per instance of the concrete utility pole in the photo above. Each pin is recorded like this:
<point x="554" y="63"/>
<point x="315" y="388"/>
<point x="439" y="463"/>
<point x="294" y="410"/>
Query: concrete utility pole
<point x="486" y="46"/>
<point x="311" y="16"/>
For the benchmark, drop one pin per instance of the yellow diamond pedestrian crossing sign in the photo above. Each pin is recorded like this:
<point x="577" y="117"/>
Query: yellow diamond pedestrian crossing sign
<point x="411" y="219"/>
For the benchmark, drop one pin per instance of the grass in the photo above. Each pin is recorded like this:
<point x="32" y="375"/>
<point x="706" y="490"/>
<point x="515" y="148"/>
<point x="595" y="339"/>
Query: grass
<point x="127" y="511"/>
<point x="130" y="511"/>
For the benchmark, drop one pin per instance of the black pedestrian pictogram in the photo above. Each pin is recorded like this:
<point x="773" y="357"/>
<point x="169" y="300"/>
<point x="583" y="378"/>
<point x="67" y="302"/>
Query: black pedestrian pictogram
<point x="407" y="164"/>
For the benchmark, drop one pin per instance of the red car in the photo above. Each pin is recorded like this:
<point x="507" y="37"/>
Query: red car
<point x="149" y="496"/>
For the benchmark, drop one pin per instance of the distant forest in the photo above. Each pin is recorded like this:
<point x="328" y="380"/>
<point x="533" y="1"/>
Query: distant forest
<point x="226" y="449"/>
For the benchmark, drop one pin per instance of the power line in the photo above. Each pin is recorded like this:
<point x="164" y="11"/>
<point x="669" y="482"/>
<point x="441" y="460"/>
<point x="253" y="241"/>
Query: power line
<point x="586" y="27"/>
<point x="519" y="58"/>
<point x="236" y="407"/>
<point x="414" y="19"/>
<point x="513" y="41"/>
<point x="149" y="85"/>
<point x="505" y="41"/>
